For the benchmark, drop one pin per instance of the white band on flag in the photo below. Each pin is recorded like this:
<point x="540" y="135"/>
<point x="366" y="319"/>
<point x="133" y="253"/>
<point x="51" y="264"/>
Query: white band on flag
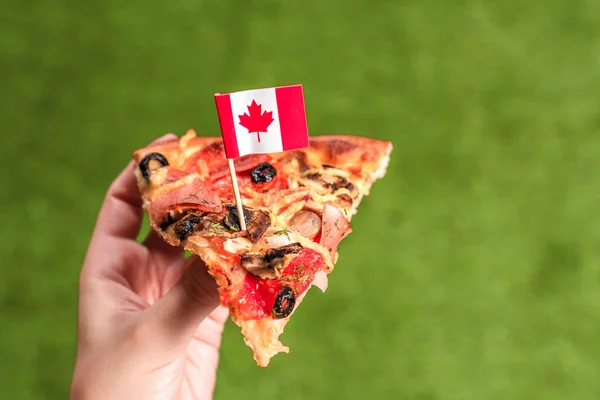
<point x="248" y="142"/>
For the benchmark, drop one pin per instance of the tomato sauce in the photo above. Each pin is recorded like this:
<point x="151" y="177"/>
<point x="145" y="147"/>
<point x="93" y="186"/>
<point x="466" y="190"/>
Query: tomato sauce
<point x="317" y="238"/>
<point x="257" y="296"/>
<point x="224" y="187"/>
<point x="212" y="155"/>
<point x="301" y="271"/>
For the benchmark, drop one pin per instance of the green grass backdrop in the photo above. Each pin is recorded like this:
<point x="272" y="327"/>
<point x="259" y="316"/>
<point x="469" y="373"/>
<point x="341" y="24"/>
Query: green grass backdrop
<point x="473" y="270"/>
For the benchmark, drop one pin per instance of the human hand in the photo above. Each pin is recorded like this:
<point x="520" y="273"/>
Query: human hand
<point x="150" y="323"/>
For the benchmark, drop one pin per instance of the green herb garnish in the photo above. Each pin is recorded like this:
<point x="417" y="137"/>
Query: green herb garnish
<point x="215" y="226"/>
<point x="285" y="232"/>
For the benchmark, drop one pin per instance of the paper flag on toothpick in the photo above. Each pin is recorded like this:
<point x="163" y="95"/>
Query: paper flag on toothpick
<point x="262" y="121"/>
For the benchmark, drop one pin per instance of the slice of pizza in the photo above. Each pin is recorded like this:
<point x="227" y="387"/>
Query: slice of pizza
<point x="297" y="206"/>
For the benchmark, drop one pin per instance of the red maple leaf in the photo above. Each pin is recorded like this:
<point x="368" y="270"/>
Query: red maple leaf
<point x="254" y="121"/>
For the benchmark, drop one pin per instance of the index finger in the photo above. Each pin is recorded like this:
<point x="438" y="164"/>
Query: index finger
<point x="121" y="212"/>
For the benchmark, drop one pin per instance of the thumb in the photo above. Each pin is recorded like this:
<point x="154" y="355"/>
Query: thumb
<point x="174" y="318"/>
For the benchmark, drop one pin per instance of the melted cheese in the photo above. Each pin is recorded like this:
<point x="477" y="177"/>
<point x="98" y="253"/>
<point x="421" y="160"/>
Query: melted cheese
<point x="275" y="241"/>
<point x="288" y="237"/>
<point x="325" y="198"/>
<point x="237" y="245"/>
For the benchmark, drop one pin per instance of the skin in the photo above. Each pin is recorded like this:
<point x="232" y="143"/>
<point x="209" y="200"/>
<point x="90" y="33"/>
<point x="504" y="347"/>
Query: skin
<point x="150" y="323"/>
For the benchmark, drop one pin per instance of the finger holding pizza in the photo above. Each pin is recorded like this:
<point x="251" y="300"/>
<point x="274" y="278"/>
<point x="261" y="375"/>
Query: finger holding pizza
<point x="149" y="322"/>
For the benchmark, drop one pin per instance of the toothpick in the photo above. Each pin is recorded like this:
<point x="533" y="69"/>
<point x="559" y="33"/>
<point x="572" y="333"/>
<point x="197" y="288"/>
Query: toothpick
<point x="236" y="192"/>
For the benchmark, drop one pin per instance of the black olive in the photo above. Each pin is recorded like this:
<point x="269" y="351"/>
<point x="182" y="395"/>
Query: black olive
<point x="186" y="226"/>
<point x="146" y="161"/>
<point x="232" y="219"/>
<point x="284" y="303"/>
<point x="263" y="172"/>
<point x="167" y="223"/>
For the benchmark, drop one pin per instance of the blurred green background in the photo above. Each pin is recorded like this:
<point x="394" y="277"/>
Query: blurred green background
<point x="473" y="270"/>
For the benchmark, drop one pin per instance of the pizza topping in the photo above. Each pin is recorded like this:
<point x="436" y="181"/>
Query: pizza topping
<point x="278" y="253"/>
<point x="212" y="225"/>
<point x="314" y="207"/>
<point x="235" y="245"/>
<point x="174" y="174"/>
<point x="225" y="190"/>
<point x="252" y="261"/>
<point x="287" y="212"/>
<point x="335" y="227"/>
<point x="284" y="303"/>
<point x="144" y="165"/>
<point x="301" y="271"/>
<point x="302" y="161"/>
<point x="307" y="223"/>
<point x="232" y="219"/>
<point x="263" y="172"/>
<point x="256" y="265"/>
<point x="186" y="225"/>
<point x="242" y="164"/>
<point x="279" y="201"/>
<point x="167" y="223"/>
<point x="295" y="161"/>
<point x="206" y="225"/>
<point x="279" y="238"/>
<point x="258" y="224"/>
<point x="270" y="264"/>
<point x="260" y="296"/>
<point x="327" y="181"/>
<point x="286" y="237"/>
<point x="194" y="195"/>
<point x="210" y="157"/>
<point x="344" y="200"/>
<point x="321" y="281"/>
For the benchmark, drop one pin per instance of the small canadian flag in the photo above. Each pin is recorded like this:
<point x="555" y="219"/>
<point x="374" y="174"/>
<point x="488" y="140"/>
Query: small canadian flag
<point x="262" y="121"/>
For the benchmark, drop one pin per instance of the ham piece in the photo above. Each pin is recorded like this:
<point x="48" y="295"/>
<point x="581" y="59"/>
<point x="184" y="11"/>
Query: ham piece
<point x="193" y="195"/>
<point x="335" y="227"/>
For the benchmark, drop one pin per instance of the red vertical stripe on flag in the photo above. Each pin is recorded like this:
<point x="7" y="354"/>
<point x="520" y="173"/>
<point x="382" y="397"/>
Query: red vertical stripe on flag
<point x="227" y="128"/>
<point x="292" y="117"/>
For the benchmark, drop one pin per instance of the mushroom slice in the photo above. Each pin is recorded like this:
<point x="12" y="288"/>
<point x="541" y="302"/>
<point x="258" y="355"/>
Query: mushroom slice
<point x="258" y="225"/>
<point x="255" y="264"/>
<point x="326" y="182"/>
<point x="279" y="252"/>
<point x="271" y="263"/>
<point x="252" y="262"/>
<point x="257" y="222"/>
